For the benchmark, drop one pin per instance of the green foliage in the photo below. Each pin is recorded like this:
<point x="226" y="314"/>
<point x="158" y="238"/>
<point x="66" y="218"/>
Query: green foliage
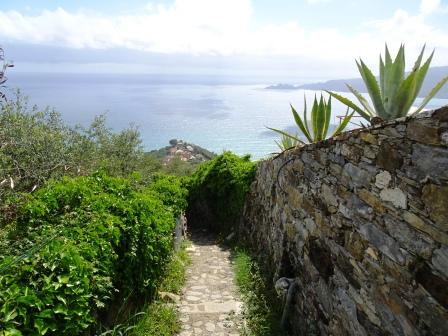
<point x="3" y="67"/>
<point x="79" y="244"/>
<point x="36" y="145"/>
<point x="395" y="93"/>
<point x="172" y="190"/>
<point x="258" y="312"/>
<point x="318" y="128"/>
<point x="218" y="190"/>
<point x="161" y="318"/>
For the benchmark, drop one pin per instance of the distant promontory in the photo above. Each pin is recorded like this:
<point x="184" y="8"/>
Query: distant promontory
<point x="435" y="74"/>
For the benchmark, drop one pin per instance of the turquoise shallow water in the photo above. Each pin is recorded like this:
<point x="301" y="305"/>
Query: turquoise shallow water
<point x="211" y="113"/>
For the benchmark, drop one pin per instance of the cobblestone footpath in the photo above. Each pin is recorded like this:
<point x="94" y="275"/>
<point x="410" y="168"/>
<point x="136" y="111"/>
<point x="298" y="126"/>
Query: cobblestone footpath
<point x="210" y="303"/>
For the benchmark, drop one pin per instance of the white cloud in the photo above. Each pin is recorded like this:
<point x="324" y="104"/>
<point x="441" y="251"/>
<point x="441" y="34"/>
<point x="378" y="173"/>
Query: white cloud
<point x="427" y="7"/>
<point x="222" y="27"/>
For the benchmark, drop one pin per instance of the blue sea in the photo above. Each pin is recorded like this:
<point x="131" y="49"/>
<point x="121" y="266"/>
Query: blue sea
<point x="215" y="113"/>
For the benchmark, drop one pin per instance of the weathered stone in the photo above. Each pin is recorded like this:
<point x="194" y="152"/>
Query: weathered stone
<point x="419" y="224"/>
<point x="328" y="196"/>
<point x="434" y="284"/>
<point x="444" y="138"/>
<point x="355" y="245"/>
<point x="368" y="137"/>
<point x="351" y="152"/>
<point x="382" y="242"/>
<point x="436" y="201"/>
<point x="296" y="198"/>
<point x="369" y="153"/>
<point x="409" y="239"/>
<point x="440" y="260"/>
<point x="383" y="179"/>
<point x="423" y="131"/>
<point x="396" y="196"/>
<point x="389" y="158"/>
<point x="357" y="177"/>
<point x="371" y="252"/>
<point x="371" y="200"/>
<point x="428" y="162"/>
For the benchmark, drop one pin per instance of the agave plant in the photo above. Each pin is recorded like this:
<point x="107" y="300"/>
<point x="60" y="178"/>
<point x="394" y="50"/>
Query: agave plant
<point x="317" y="129"/>
<point x="395" y="93"/>
<point x="286" y="141"/>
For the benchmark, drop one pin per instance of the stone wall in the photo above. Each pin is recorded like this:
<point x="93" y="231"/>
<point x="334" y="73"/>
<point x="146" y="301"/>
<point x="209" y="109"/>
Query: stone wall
<point x="361" y="221"/>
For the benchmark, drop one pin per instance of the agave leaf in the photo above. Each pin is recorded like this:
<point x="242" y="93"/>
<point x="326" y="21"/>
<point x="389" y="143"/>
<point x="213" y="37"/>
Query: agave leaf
<point x="285" y="134"/>
<point x="350" y="104"/>
<point x="421" y="74"/>
<point x="320" y="119"/>
<point x="361" y="99"/>
<point x="372" y="88"/>
<point x="431" y="94"/>
<point x="327" y="118"/>
<point x="314" y="111"/>
<point x="304" y="115"/>
<point x="387" y="55"/>
<point x="394" y="75"/>
<point x="382" y="72"/>
<point x="403" y="100"/>
<point x="344" y="123"/>
<point x="301" y="124"/>
<point x="419" y="59"/>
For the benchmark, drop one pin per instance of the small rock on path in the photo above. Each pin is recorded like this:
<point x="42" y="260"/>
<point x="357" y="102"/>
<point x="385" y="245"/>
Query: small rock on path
<point x="210" y="303"/>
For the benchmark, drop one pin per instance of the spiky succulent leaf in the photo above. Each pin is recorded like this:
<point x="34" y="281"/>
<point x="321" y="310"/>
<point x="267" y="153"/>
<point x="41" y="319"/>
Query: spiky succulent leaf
<point x="404" y="97"/>
<point x="314" y="111"/>
<point x="285" y="134"/>
<point x="421" y="74"/>
<point x="362" y="100"/>
<point x="301" y="123"/>
<point x="393" y="76"/>
<point x="305" y="116"/>
<point x="419" y="59"/>
<point x="372" y="87"/>
<point x="320" y="119"/>
<point x="344" y="123"/>
<point x="350" y="104"/>
<point x="327" y="118"/>
<point x="431" y="94"/>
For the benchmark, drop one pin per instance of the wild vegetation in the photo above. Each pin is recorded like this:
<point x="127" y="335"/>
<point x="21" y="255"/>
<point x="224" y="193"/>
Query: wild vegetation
<point x="80" y="245"/>
<point x="395" y="93"/>
<point x="218" y="190"/>
<point x="36" y="146"/>
<point x="4" y="66"/>
<point x="261" y="317"/>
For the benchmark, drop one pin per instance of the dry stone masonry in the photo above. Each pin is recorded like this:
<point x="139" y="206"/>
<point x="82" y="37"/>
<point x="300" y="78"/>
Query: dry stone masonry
<point x="361" y="222"/>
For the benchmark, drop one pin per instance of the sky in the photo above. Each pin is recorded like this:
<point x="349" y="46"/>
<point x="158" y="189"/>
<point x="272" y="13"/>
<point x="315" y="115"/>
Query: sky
<point x="270" y="38"/>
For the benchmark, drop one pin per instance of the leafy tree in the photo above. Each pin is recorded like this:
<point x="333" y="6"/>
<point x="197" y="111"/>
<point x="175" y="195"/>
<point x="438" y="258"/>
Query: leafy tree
<point x="5" y="65"/>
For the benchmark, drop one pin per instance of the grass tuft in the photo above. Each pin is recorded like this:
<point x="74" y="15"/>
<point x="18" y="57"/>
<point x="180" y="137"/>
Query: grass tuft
<point x="161" y="318"/>
<point x="261" y="319"/>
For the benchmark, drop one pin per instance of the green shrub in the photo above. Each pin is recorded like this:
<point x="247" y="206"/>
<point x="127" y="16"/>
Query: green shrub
<point x="80" y="244"/>
<point x="218" y="190"/>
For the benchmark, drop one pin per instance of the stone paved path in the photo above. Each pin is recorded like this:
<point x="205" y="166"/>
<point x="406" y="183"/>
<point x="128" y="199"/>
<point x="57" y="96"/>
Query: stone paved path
<point x="210" y="303"/>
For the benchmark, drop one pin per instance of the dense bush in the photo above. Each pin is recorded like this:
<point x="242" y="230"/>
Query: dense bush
<point x="36" y="145"/>
<point x="80" y="243"/>
<point x="218" y="190"/>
